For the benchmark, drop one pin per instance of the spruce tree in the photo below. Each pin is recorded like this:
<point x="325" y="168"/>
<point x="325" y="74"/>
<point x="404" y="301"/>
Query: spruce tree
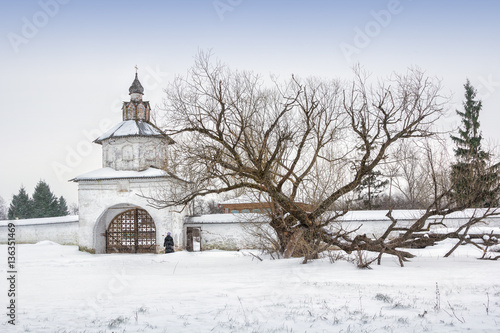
<point x="44" y="201"/>
<point x="62" y="208"/>
<point x="21" y="206"/>
<point x="471" y="178"/>
<point x="370" y="188"/>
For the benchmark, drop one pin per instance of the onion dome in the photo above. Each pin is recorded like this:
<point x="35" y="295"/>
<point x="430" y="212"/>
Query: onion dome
<point x="136" y="87"/>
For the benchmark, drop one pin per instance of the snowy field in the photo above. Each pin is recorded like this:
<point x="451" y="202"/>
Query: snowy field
<point x="63" y="290"/>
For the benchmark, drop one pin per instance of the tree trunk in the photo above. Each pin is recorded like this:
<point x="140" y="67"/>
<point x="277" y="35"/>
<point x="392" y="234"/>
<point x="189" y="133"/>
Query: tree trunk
<point x="293" y="243"/>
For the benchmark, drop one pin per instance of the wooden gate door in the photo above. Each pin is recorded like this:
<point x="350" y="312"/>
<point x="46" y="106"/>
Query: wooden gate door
<point x="132" y="231"/>
<point x="189" y="238"/>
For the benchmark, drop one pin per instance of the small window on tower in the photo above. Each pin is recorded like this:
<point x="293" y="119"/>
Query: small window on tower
<point x="127" y="153"/>
<point x="131" y="111"/>
<point x="141" y="112"/>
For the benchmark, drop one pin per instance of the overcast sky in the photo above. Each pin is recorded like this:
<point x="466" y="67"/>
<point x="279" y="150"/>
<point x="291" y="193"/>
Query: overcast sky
<point x="67" y="64"/>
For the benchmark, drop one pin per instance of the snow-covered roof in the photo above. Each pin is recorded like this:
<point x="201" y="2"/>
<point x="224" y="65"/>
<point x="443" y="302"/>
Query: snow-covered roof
<point x="245" y="198"/>
<point x="380" y="215"/>
<point x="352" y="216"/>
<point x="227" y="218"/>
<point x="133" y="128"/>
<point x="411" y="214"/>
<point x="110" y="173"/>
<point x="42" y="220"/>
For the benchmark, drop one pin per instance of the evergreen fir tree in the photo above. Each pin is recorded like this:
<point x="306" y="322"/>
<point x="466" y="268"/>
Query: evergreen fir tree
<point x="45" y="203"/>
<point x="370" y="188"/>
<point x="471" y="178"/>
<point x="62" y="209"/>
<point x="468" y="141"/>
<point x="21" y="206"/>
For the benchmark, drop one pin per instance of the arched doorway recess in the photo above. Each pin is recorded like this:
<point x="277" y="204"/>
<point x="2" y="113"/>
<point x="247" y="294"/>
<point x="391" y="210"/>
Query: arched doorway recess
<point x="132" y="231"/>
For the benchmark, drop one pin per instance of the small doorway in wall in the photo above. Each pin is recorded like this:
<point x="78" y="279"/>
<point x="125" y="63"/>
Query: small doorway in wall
<point x="132" y="231"/>
<point x="193" y="239"/>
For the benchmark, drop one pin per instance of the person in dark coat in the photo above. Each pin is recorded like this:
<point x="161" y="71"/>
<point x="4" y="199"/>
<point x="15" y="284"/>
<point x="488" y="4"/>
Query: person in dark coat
<point x="169" y="243"/>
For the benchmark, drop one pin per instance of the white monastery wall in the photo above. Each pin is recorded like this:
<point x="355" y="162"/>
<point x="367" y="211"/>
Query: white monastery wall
<point x="230" y="231"/>
<point x="62" y="230"/>
<point x="222" y="236"/>
<point x="218" y="231"/>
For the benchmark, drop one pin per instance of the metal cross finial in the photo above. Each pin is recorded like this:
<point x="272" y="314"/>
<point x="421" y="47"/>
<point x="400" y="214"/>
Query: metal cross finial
<point x="136" y="69"/>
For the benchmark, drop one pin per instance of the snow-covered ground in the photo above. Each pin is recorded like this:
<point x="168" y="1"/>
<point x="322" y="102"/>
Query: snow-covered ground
<point x="63" y="290"/>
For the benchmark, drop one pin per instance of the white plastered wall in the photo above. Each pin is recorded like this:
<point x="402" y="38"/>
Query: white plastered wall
<point x="134" y="153"/>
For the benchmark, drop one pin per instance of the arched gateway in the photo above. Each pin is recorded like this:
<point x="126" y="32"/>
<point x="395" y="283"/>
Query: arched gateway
<point x="132" y="231"/>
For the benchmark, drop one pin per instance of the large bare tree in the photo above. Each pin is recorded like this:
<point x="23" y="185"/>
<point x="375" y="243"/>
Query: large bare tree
<point x="301" y="140"/>
<point x="410" y="173"/>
